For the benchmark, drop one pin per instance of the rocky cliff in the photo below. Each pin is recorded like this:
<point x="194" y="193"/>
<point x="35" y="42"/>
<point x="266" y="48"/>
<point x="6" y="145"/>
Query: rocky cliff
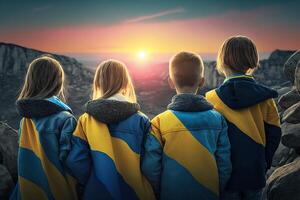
<point x="14" y="61"/>
<point x="284" y="177"/>
<point x="8" y="159"/>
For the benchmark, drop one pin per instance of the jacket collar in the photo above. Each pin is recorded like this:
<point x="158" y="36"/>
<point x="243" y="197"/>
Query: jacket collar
<point x="110" y="110"/>
<point x="243" y="91"/>
<point x="189" y="103"/>
<point x="238" y="76"/>
<point x="36" y="108"/>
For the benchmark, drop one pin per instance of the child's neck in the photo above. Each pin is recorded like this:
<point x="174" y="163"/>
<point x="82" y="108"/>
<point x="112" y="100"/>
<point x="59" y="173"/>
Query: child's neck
<point x="229" y="73"/>
<point x="186" y="91"/>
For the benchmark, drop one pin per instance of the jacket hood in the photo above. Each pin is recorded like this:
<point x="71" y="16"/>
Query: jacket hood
<point x="36" y="108"/>
<point x="111" y="111"/>
<point x="189" y="103"/>
<point x="244" y="92"/>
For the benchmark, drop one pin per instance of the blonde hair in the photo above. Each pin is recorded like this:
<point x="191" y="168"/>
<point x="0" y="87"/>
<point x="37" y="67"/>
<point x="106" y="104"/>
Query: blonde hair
<point x="239" y="54"/>
<point x="186" y="69"/>
<point x="111" y="78"/>
<point x="44" y="79"/>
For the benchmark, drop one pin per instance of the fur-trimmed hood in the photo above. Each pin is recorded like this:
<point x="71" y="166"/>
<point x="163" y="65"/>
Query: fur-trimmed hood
<point x="189" y="103"/>
<point x="111" y="111"/>
<point x="36" y="108"/>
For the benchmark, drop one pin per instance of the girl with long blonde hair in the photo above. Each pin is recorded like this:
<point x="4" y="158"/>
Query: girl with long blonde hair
<point x="107" y="143"/>
<point x="45" y="134"/>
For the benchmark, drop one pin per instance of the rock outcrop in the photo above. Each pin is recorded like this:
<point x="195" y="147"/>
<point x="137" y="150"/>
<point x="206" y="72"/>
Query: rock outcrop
<point x="284" y="182"/>
<point x="290" y="66"/>
<point x="14" y="61"/>
<point x="8" y="159"/>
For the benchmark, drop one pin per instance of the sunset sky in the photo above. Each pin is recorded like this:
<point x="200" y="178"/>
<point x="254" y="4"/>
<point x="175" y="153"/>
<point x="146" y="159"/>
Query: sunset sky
<point x="150" y="26"/>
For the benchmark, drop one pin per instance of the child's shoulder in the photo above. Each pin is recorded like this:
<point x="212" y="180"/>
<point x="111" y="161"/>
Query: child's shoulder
<point x="142" y="115"/>
<point x="63" y="115"/>
<point x="163" y="115"/>
<point x="209" y="95"/>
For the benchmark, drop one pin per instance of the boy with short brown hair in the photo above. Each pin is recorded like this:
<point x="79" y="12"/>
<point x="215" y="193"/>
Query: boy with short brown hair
<point x="187" y="152"/>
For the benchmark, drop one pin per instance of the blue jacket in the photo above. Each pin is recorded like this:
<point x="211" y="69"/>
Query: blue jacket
<point x="107" y="145"/>
<point x="44" y="142"/>
<point x="187" y="152"/>
<point x="253" y="129"/>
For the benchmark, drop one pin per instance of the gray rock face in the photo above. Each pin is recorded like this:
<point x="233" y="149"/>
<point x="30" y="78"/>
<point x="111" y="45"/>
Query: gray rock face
<point x="6" y="183"/>
<point x="283" y="184"/>
<point x="284" y="181"/>
<point x="9" y="148"/>
<point x="283" y="155"/>
<point x="291" y="135"/>
<point x="292" y="114"/>
<point x="289" y="99"/>
<point x="290" y="66"/>
<point x="14" y="61"/>
<point x="8" y="159"/>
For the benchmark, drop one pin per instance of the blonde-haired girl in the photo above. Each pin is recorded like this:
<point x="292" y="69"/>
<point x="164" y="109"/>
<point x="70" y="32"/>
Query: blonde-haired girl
<point x="45" y="134"/>
<point x="107" y="142"/>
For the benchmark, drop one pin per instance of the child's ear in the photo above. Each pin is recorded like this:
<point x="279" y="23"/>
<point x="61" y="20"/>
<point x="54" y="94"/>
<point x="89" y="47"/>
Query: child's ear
<point x="171" y="83"/>
<point x="201" y="82"/>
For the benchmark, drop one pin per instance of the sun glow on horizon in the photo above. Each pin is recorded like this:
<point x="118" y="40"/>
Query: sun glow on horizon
<point x="142" y="55"/>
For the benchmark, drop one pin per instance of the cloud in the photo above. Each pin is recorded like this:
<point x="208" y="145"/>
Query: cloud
<point x="41" y="8"/>
<point x="155" y="15"/>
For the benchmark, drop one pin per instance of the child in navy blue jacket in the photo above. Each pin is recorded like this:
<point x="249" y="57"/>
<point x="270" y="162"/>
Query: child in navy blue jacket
<point x="253" y="122"/>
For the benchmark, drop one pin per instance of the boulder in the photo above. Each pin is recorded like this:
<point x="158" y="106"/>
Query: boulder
<point x="289" y="99"/>
<point x="6" y="183"/>
<point x="283" y="89"/>
<point x="284" y="183"/>
<point x="292" y="114"/>
<point x="290" y="135"/>
<point x="283" y="155"/>
<point x="290" y="66"/>
<point x="9" y="149"/>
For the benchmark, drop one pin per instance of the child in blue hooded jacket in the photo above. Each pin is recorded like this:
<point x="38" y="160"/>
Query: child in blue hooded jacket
<point x="253" y="122"/>
<point x="187" y="152"/>
<point x="107" y="143"/>
<point x="44" y="135"/>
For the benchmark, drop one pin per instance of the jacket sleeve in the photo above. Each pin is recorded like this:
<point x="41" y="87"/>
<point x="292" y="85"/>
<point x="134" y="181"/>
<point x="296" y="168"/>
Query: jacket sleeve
<point x="65" y="137"/>
<point x="152" y="158"/>
<point x="272" y="131"/>
<point x="79" y="159"/>
<point x="222" y="155"/>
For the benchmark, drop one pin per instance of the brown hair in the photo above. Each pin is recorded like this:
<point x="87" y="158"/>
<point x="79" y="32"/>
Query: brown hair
<point x="111" y="78"/>
<point x="186" y="69"/>
<point x="239" y="54"/>
<point x="44" y="79"/>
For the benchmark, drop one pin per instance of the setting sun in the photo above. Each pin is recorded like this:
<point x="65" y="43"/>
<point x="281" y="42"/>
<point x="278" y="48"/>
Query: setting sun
<point x="142" y="55"/>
